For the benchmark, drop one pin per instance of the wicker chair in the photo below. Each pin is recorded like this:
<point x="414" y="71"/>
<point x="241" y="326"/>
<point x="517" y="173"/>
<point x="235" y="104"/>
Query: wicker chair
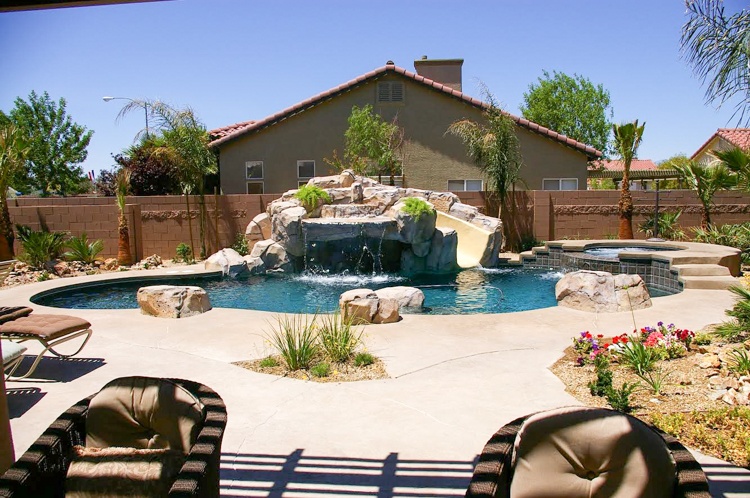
<point x="41" y="471"/>
<point x="494" y="472"/>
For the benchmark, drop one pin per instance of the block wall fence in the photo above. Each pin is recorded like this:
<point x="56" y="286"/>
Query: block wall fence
<point x="159" y="223"/>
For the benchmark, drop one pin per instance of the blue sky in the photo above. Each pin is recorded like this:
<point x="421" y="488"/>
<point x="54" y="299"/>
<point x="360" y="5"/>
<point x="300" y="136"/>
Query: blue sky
<point x="234" y="60"/>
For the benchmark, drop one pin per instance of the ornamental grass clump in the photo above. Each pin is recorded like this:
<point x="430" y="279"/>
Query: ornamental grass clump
<point x="312" y="196"/>
<point x="414" y="206"/>
<point x="738" y="328"/>
<point x="339" y="337"/>
<point x="80" y="249"/>
<point x="295" y="337"/>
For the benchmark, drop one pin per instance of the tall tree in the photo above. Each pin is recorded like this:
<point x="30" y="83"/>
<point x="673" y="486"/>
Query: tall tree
<point x="13" y="152"/>
<point x="571" y="105"/>
<point x="494" y="147"/>
<point x="186" y="145"/>
<point x="122" y="185"/>
<point x="151" y="174"/>
<point x="717" y="46"/>
<point x="371" y="141"/>
<point x="57" y="146"/>
<point x="738" y="162"/>
<point x="628" y="138"/>
<point x="706" y="180"/>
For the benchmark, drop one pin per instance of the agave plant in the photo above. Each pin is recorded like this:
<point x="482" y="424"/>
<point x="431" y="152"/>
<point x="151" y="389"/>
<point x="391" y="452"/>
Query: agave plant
<point x="39" y="246"/>
<point x="80" y="249"/>
<point x="667" y="224"/>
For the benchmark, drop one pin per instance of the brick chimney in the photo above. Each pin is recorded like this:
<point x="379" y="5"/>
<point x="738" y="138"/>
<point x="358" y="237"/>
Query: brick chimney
<point x="445" y="71"/>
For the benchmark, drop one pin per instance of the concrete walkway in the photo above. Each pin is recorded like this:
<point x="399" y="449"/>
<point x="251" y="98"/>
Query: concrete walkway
<point x="454" y="381"/>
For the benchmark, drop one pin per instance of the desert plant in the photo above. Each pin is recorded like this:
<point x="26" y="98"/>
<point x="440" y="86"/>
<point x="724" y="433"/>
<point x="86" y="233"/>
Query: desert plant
<point x="706" y="180"/>
<point x="637" y="356"/>
<point x="295" y="337"/>
<point x="321" y="369"/>
<point x="184" y="253"/>
<point x="737" y="236"/>
<point x="312" y="196"/>
<point x="702" y="339"/>
<point x="619" y="399"/>
<point x="739" y="361"/>
<point x="339" y="338"/>
<point x="43" y="276"/>
<point x="667" y="226"/>
<point x="39" y="246"/>
<point x="739" y="327"/>
<point x="414" y="206"/>
<point x="269" y="362"/>
<point x="655" y="379"/>
<point x="122" y="186"/>
<point x="363" y="359"/>
<point x="240" y="244"/>
<point x="80" y="249"/>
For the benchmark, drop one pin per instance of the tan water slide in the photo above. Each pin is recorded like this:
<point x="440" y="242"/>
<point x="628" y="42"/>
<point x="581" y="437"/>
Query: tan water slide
<point x="472" y="240"/>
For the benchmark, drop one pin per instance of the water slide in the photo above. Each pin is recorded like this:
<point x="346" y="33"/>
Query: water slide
<point x="472" y="240"/>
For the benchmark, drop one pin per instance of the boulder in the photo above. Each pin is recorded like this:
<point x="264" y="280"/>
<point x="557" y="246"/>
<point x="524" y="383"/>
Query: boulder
<point x="387" y="311"/>
<point x="443" y="256"/>
<point x="406" y="297"/>
<point x="412" y="229"/>
<point x="363" y="306"/>
<point x="602" y="292"/>
<point x="172" y="301"/>
<point x="412" y="264"/>
<point x="347" y="178"/>
<point x="274" y="255"/>
<point x="258" y="229"/>
<point x="278" y="206"/>
<point x="357" y="194"/>
<point x="443" y="201"/>
<point x="110" y="264"/>
<point x="463" y="211"/>
<point x="255" y="265"/>
<point x="228" y="261"/>
<point x="382" y="197"/>
<point x="286" y="228"/>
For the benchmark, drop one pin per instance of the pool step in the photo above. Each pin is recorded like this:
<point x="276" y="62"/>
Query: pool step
<point x="708" y="282"/>
<point x="696" y="270"/>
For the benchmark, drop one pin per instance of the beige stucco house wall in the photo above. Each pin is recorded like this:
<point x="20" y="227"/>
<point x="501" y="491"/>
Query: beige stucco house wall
<point x="314" y="130"/>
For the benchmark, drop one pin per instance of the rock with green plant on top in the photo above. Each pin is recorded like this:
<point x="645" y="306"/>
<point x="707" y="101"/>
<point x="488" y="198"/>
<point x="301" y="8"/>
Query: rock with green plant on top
<point x="312" y="198"/>
<point x="415" y="220"/>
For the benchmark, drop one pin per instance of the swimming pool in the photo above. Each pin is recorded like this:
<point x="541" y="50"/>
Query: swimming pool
<point x="476" y="290"/>
<point x="613" y="251"/>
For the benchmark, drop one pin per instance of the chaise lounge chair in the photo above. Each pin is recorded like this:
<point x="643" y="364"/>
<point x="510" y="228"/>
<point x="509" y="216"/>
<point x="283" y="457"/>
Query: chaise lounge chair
<point x="18" y="324"/>
<point x="585" y="452"/>
<point x="12" y="355"/>
<point x="138" y="436"/>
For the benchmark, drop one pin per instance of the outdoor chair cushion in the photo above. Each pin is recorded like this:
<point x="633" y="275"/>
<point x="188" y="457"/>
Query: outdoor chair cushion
<point x="131" y="472"/>
<point x="588" y="452"/>
<point x="143" y="412"/>
<point x="47" y="327"/>
<point x="8" y="313"/>
<point x="11" y="351"/>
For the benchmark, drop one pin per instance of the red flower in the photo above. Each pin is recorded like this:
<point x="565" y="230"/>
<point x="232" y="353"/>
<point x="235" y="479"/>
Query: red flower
<point x="606" y="345"/>
<point x="615" y="340"/>
<point x="599" y="336"/>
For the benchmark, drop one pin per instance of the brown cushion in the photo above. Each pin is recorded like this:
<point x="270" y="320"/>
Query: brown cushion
<point x="116" y="472"/>
<point x="590" y="452"/>
<point x="47" y="327"/>
<point x="143" y="412"/>
<point x="8" y="313"/>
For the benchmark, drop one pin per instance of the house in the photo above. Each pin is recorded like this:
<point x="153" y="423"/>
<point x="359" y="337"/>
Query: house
<point x="641" y="177"/>
<point x="282" y="151"/>
<point x="723" y="139"/>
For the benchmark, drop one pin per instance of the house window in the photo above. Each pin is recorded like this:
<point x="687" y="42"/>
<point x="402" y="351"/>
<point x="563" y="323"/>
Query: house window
<point x="465" y="185"/>
<point x="253" y="170"/>
<point x="305" y="171"/>
<point x="390" y="91"/>
<point x="254" y="187"/>
<point x="560" y="184"/>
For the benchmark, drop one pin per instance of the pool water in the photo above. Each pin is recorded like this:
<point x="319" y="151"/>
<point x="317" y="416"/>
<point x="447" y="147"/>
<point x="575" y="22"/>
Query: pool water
<point x="469" y="291"/>
<point x="613" y="252"/>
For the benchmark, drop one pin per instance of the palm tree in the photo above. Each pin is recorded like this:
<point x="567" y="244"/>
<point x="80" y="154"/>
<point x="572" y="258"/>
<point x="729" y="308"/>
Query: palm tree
<point x="706" y="180"/>
<point x="13" y="152"/>
<point x="493" y="147"/>
<point x="718" y="48"/>
<point x="186" y="142"/>
<point x="122" y="185"/>
<point x="738" y="162"/>
<point x="628" y="138"/>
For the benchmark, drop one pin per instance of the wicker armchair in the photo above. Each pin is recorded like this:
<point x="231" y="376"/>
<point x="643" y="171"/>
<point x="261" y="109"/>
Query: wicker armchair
<point x="41" y="471"/>
<point x="497" y="464"/>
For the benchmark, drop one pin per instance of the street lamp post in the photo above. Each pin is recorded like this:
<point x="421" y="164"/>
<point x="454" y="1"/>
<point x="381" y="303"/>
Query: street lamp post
<point x="145" y="107"/>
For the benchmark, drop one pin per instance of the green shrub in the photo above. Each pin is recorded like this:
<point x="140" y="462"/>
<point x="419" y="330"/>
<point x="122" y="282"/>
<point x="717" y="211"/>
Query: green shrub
<point x="619" y="399"/>
<point x="602" y="384"/>
<point x="702" y="339"/>
<point x="39" y="247"/>
<point x="363" y="359"/>
<point x="295" y="338"/>
<point x="311" y="196"/>
<point x="322" y="369"/>
<point x="737" y="329"/>
<point x="339" y="337"/>
<point x="184" y="253"/>
<point x="739" y="361"/>
<point x="80" y="249"/>
<point x="414" y="206"/>
<point x="737" y="236"/>
<point x="668" y="226"/>
<point x="240" y="244"/>
<point x="269" y="362"/>
<point x="43" y="276"/>
<point x="637" y="356"/>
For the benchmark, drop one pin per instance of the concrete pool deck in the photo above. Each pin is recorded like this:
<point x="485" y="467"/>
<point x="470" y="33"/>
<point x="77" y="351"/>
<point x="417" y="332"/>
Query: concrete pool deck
<point x="454" y="381"/>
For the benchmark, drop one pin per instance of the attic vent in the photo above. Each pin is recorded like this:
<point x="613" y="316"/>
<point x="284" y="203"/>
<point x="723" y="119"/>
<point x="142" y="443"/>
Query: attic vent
<point x="390" y="91"/>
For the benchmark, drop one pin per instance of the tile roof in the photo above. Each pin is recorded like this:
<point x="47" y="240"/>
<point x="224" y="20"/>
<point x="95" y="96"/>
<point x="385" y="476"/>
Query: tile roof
<point x="617" y="165"/>
<point x="231" y="132"/>
<point x="739" y="137"/>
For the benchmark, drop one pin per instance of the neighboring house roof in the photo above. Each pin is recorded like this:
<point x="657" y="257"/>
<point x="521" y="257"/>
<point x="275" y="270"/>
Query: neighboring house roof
<point x="617" y="165"/>
<point x="739" y="137"/>
<point x="249" y="126"/>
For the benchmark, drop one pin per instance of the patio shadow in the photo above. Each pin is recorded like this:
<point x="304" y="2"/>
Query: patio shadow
<point x="21" y="399"/>
<point x="306" y="475"/>
<point x="54" y="369"/>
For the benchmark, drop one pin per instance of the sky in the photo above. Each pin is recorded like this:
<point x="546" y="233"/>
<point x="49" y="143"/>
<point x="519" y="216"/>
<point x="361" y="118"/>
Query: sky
<point x="236" y="60"/>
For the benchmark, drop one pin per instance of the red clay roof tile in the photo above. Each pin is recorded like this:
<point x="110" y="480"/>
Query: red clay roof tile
<point x="635" y="165"/>
<point x="231" y="132"/>
<point x="739" y="137"/>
